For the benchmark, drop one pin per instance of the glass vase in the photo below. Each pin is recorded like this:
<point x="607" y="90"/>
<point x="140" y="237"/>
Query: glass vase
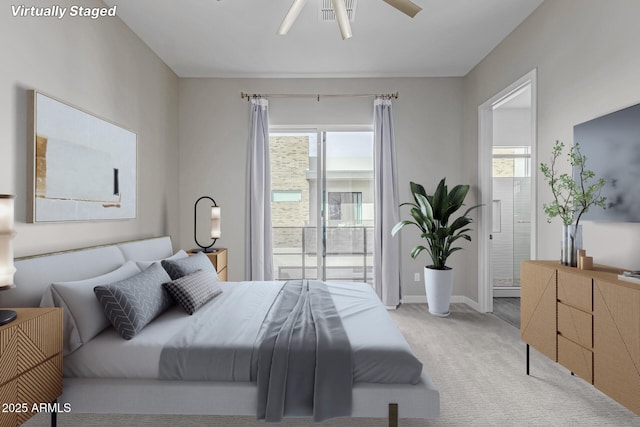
<point x="571" y="242"/>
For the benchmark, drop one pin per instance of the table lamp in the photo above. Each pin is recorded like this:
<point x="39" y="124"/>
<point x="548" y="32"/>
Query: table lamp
<point x="215" y="226"/>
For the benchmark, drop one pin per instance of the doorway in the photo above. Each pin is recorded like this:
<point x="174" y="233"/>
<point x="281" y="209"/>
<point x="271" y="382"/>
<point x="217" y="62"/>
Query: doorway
<point x="507" y="184"/>
<point x="322" y="203"/>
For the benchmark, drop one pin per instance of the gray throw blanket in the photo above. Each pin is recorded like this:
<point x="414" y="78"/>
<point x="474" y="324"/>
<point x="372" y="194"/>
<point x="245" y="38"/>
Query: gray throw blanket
<point x="305" y="361"/>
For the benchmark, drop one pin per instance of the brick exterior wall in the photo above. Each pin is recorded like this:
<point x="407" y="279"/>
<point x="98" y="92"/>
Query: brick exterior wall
<point x="289" y="165"/>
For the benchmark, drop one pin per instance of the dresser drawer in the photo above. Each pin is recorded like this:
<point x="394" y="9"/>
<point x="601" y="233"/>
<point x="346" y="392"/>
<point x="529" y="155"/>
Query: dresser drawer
<point x="30" y="362"/>
<point x="575" y="325"/>
<point x="575" y="290"/>
<point x="42" y="384"/>
<point x="32" y="338"/>
<point x="577" y="359"/>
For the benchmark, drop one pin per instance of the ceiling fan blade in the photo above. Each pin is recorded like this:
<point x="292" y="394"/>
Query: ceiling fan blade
<point x="340" y="9"/>
<point x="291" y="16"/>
<point x="405" y="6"/>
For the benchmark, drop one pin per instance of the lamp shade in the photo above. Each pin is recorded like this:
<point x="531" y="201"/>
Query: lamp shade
<point x="7" y="269"/>
<point x="215" y="222"/>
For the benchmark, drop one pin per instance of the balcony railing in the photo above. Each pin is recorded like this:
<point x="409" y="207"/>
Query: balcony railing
<point x="348" y="253"/>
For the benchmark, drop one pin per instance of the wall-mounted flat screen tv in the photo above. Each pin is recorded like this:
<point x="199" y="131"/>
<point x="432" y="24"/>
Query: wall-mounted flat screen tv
<point x="611" y="144"/>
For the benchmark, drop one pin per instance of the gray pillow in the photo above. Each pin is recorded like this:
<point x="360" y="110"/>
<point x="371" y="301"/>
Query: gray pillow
<point x="178" y="268"/>
<point x="132" y="304"/>
<point x="143" y="265"/>
<point x="194" y="290"/>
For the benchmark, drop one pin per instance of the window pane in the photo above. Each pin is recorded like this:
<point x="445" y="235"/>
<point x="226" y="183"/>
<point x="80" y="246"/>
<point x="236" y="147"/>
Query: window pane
<point x="286" y="196"/>
<point x="293" y="156"/>
<point x="349" y="201"/>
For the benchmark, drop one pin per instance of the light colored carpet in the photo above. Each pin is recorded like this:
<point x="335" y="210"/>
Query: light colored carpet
<point x="476" y="361"/>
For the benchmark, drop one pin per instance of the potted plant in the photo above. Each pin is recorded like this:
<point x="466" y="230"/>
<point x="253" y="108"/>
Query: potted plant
<point x="573" y="195"/>
<point x="431" y="214"/>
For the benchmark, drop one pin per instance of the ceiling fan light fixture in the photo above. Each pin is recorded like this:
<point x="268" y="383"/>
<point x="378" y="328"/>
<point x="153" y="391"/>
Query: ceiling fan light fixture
<point x="405" y="6"/>
<point x="343" y="18"/>
<point x="291" y="16"/>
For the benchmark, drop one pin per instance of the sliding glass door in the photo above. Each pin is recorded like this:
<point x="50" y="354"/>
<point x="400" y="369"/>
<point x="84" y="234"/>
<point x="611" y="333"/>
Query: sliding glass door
<point x="348" y="193"/>
<point x="322" y="204"/>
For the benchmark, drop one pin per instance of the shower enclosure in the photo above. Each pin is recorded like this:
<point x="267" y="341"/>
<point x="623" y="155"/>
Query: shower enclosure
<point x="511" y="233"/>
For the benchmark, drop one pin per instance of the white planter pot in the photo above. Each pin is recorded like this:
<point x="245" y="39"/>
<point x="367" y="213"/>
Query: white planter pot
<point x="438" y="285"/>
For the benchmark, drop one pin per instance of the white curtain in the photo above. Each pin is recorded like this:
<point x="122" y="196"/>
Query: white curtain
<point x="259" y="256"/>
<point x="387" y="247"/>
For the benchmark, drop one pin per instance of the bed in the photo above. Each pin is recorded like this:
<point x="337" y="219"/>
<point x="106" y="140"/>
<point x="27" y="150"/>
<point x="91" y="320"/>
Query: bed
<point x="108" y="374"/>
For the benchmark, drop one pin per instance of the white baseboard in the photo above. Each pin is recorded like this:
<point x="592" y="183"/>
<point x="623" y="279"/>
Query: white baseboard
<point x="422" y="299"/>
<point x="466" y="300"/>
<point x="414" y="299"/>
<point x="506" y="292"/>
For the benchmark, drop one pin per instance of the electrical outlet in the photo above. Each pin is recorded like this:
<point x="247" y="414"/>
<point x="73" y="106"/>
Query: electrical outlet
<point x="416" y="277"/>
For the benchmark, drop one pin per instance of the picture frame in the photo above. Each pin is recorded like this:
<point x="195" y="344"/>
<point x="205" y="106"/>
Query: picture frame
<point x="80" y="166"/>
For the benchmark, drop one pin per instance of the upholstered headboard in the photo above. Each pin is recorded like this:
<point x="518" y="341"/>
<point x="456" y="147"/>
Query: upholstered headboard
<point x="34" y="274"/>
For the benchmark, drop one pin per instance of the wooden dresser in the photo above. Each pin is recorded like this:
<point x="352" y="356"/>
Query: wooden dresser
<point x="219" y="261"/>
<point x="586" y="320"/>
<point x="30" y="363"/>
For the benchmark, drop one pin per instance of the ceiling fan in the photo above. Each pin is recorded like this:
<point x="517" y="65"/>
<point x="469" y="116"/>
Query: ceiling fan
<point x="405" y="6"/>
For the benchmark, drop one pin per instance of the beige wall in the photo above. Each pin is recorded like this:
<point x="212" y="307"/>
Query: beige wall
<point x="214" y="125"/>
<point x="586" y="55"/>
<point x="101" y="67"/>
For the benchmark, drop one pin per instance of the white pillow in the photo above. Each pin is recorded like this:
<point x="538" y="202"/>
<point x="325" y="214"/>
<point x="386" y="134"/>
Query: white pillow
<point x="84" y="317"/>
<point x="143" y="265"/>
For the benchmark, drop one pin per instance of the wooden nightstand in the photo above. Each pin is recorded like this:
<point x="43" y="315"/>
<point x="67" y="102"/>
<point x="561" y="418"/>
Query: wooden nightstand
<point x="219" y="261"/>
<point x="30" y="364"/>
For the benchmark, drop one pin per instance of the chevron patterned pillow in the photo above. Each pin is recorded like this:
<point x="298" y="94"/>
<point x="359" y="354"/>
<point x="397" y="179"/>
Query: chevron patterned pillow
<point x="132" y="304"/>
<point x="194" y="290"/>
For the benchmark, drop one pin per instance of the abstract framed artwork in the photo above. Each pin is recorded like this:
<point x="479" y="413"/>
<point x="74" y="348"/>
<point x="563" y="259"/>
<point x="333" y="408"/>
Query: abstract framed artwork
<point x="81" y="167"/>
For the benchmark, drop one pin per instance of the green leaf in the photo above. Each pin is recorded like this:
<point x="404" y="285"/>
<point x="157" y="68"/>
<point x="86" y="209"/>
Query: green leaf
<point x="573" y="194"/>
<point x="417" y="189"/>
<point x="456" y="200"/>
<point x="416" y="251"/>
<point x="439" y="202"/>
<point x="401" y="225"/>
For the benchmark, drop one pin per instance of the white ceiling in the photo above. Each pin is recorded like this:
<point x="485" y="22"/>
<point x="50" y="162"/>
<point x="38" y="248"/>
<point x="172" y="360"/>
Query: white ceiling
<point x="237" y="38"/>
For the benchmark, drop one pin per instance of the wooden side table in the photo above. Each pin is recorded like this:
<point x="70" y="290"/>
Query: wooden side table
<point x="219" y="261"/>
<point x="30" y="365"/>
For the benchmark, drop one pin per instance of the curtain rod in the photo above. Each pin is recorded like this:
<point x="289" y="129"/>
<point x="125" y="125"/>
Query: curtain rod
<point x="317" y="96"/>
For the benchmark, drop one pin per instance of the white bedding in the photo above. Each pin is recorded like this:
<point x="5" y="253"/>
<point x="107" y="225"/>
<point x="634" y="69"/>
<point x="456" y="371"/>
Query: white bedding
<point x="381" y="354"/>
